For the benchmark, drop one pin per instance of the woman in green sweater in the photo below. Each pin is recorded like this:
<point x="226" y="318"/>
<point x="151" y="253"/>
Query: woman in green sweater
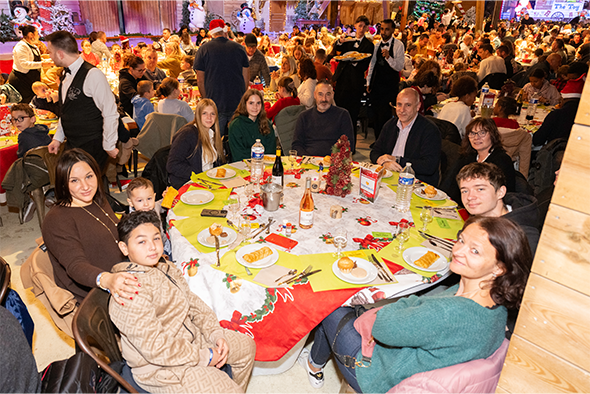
<point x="417" y="334"/>
<point x="248" y="124"/>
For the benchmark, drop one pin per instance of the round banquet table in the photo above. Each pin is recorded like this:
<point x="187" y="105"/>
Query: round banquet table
<point x="280" y="318"/>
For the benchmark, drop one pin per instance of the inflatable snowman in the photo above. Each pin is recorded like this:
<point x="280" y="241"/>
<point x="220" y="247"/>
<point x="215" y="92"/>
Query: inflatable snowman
<point x="198" y="15"/>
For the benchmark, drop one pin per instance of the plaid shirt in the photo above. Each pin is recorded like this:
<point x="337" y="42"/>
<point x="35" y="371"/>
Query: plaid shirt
<point x="559" y="83"/>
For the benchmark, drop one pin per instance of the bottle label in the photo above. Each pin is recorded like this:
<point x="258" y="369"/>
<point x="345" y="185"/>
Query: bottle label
<point x="278" y="180"/>
<point x="306" y="218"/>
<point x="258" y="156"/>
<point x="405" y="181"/>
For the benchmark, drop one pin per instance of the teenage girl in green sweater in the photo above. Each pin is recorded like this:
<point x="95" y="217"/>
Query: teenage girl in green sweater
<point x="417" y="334"/>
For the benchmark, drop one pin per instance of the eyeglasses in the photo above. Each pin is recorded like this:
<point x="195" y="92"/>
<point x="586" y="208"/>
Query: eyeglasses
<point x="140" y="70"/>
<point x="480" y="134"/>
<point x="19" y="119"/>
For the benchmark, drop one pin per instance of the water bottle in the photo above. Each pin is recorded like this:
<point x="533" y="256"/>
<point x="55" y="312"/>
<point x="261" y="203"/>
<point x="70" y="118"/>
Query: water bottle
<point x="485" y="89"/>
<point x="405" y="187"/>
<point x="532" y="108"/>
<point x="257" y="165"/>
<point x="181" y="83"/>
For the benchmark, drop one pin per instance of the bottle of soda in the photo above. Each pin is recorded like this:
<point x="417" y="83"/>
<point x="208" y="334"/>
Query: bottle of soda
<point x="485" y="89"/>
<point x="405" y="187"/>
<point x="257" y="164"/>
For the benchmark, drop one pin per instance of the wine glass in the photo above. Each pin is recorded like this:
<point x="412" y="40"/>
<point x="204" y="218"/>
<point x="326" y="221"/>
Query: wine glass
<point x="233" y="206"/>
<point x="426" y="217"/>
<point x="403" y="234"/>
<point x="249" y="190"/>
<point x="293" y="158"/>
<point x="340" y="240"/>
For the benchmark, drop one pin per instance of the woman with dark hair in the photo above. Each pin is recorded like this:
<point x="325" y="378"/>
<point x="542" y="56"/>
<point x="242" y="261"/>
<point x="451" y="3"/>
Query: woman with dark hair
<point x="493" y="259"/>
<point x="308" y="75"/>
<point x="482" y="143"/>
<point x="129" y="77"/>
<point x="248" y="124"/>
<point x="87" y="54"/>
<point x="201" y="36"/>
<point x="286" y="97"/>
<point x="459" y="112"/>
<point x="196" y="147"/>
<point x="27" y="63"/>
<point x="186" y="44"/>
<point x="170" y="90"/>
<point x="80" y="231"/>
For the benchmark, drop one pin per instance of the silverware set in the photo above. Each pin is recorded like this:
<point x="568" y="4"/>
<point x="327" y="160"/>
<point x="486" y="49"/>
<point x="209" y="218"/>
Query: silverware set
<point x="438" y="242"/>
<point x="209" y="184"/>
<point x="263" y="228"/>
<point x="306" y="272"/>
<point x="382" y="272"/>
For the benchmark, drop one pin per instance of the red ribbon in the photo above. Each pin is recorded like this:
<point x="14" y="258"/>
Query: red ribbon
<point x="411" y="224"/>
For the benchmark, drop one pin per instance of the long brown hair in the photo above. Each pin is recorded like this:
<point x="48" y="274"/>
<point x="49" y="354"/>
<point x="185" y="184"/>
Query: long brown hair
<point x="62" y="176"/>
<point x="242" y="109"/>
<point x="513" y="254"/>
<point x="209" y="153"/>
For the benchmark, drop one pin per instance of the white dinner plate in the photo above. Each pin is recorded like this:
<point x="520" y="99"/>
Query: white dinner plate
<point x="387" y="174"/>
<point x="229" y="173"/>
<point x="317" y="160"/>
<point x="412" y="254"/>
<point x="197" y="197"/>
<point x="440" y="195"/>
<point x="361" y="263"/>
<point x="206" y="239"/>
<point x="265" y="262"/>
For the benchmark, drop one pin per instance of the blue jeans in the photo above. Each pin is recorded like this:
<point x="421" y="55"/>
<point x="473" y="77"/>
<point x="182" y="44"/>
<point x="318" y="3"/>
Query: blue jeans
<point x="348" y="343"/>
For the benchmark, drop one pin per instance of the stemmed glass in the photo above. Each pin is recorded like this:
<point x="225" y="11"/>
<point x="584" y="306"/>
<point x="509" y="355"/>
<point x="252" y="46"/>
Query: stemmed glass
<point x="403" y="234"/>
<point x="293" y="158"/>
<point x="426" y="217"/>
<point x="233" y="206"/>
<point x="340" y="240"/>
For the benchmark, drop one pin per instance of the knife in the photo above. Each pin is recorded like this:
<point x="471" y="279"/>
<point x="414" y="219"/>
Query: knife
<point x="302" y="276"/>
<point x="270" y="221"/>
<point x="305" y="271"/>
<point x="380" y="267"/>
<point x="217" y="251"/>
<point x="442" y="240"/>
<point x="450" y="207"/>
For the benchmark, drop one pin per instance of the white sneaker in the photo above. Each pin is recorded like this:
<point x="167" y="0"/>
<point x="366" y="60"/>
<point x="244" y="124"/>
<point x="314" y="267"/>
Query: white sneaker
<point x="316" y="379"/>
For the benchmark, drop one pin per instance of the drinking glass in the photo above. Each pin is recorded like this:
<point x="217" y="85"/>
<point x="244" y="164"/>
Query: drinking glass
<point x="340" y="240"/>
<point x="293" y="158"/>
<point x="403" y="234"/>
<point x="233" y="207"/>
<point x="426" y="217"/>
<point x="249" y="190"/>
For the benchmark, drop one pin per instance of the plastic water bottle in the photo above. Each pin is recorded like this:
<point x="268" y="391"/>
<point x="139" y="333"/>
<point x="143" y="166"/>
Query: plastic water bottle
<point x="485" y="89"/>
<point x="181" y="83"/>
<point x="257" y="165"/>
<point x="405" y="187"/>
<point x="532" y="108"/>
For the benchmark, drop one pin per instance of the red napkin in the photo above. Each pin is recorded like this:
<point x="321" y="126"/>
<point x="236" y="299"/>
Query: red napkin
<point x="267" y="174"/>
<point x="393" y="267"/>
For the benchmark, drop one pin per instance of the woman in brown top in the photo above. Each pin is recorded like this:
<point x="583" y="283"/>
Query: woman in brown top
<point x="80" y="231"/>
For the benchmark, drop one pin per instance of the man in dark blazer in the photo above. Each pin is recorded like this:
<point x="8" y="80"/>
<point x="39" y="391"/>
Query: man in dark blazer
<point x="349" y="77"/>
<point x="411" y="137"/>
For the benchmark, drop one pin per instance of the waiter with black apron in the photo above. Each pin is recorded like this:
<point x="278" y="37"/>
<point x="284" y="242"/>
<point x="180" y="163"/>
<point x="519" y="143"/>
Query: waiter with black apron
<point x="27" y="63"/>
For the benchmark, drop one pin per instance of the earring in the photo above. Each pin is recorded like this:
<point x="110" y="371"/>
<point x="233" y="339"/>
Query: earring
<point x="493" y="275"/>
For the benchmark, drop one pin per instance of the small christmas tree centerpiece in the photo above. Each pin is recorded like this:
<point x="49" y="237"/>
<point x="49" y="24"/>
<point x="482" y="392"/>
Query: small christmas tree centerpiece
<point x="338" y="181"/>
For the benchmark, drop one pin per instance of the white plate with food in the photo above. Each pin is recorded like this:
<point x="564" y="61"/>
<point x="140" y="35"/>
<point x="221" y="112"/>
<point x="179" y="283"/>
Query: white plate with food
<point x="226" y="237"/>
<point x="359" y="272"/>
<point x="430" y="193"/>
<point x="257" y="256"/>
<point x="432" y="261"/>
<point x="325" y="161"/>
<point x="269" y="159"/>
<point x="221" y="173"/>
<point x="197" y="197"/>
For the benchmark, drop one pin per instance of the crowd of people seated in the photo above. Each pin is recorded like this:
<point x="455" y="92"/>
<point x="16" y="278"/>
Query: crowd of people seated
<point x="409" y="74"/>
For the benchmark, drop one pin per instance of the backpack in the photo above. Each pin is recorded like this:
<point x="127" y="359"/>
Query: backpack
<point x="547" y="161"/>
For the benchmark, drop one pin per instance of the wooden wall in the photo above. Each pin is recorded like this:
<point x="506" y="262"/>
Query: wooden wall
<point x="550" y="349"/>
<point x="102" y="14"/>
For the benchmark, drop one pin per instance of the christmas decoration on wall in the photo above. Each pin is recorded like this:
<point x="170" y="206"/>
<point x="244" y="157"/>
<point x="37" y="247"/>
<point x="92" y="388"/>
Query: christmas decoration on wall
<point x="338" y="181"/>
<point x="470" y="16"/>
<point x="197" y="14"/>
<point x="20" y="14"/>
<point x="433" y="8"/>
<point x="45" y="14"/>
<point x="6" y="28"/>
<point x="307" y="9"/>
<point x="246" y="18"/>
<point x="61" y="19"/>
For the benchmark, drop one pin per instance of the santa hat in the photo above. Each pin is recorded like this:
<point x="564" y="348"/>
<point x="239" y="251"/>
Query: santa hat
<point x="573" y="88"/>
<point x="217" y="26"/>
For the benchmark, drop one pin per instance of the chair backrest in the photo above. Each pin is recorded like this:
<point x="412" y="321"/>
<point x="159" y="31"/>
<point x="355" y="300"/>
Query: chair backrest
<point x="495" y="80"/>
<point x="285" y="122"/>
<point x="4" y="279"/>
<point x="157" y="132"/>
<point x="95" y="333"/>
<point x="49" y="159"/>
<point x="449" y="156"/>
<point x="547" y="161"/>
<point x="448" y="130"/>
<point x="155" y="170"/>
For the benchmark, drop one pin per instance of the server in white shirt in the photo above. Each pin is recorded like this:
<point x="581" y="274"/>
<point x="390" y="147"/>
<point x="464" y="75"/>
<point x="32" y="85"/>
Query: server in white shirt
<point x="383" y="76"/>
<point x="490" y="63"/>
<point x="26" y="63"/>
<point x="89" y="117"/>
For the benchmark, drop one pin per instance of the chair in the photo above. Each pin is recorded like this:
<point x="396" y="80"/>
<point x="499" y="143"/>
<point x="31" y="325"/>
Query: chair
<point x="155" y="170"/>
<point x="517" y="143"/>
<point x="285" y="122"/>
<point x="495" y="80"/>
<point x="4" y="280"/>
<point x="95" y="334"/>
<point x="448" y="157"/>
<point x="519" y="79"/>
<point x="50" y="161"/>
<point x="134" y="159"/>
<point x="37" y="272"/>
<point x="448" y="130"/>
<point x="158" y="131"/>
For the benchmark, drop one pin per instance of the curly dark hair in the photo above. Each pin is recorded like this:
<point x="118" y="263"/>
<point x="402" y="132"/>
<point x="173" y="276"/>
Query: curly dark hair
<point x="307" y="69"/>
<point x="514" y="255"/>
<point x="463" y="86"/>
<point x="429" y="79"/>
<point x="135" y="219"/>
<point x="486" y="124"/>
<point x="507" y="105"/>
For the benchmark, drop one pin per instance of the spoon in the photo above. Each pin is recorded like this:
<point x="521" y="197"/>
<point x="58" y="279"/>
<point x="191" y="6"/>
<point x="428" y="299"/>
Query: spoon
<point x="292" y="272"/>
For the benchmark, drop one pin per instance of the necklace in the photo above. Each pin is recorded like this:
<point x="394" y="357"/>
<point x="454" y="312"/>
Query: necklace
<point x="101" y="222"/>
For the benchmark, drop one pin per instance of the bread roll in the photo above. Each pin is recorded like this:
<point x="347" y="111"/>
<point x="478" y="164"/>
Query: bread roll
<point x="430" y="191"/>
<point x="345" y="264"/>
